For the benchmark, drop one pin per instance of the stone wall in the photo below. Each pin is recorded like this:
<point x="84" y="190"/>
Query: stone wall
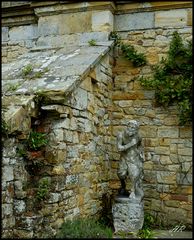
<point x="56" y="25"/>
<point x="81" y="161"/>
<point x="168" y="147"/>
<point x="76" y="161"/>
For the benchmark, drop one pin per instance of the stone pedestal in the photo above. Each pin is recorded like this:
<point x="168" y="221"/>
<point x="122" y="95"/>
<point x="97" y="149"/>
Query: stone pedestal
<point x="128" y="214"/>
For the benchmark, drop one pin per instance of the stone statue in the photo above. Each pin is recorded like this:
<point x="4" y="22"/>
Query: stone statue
<point x="131" y="163"/>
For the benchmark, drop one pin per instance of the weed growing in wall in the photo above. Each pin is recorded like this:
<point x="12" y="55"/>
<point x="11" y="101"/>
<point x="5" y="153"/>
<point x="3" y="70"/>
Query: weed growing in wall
<point x="92" y="42"/>
<point x="29" y="73"/>
<point x="13" y="87"/>
<point x="27" y="70"/>
<point x="43" y="189"/>
<point x="37" y="140"/>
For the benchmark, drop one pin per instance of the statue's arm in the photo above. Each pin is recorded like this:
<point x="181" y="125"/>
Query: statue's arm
<point x="122" y="147"/>
<point x="133" y="142"/>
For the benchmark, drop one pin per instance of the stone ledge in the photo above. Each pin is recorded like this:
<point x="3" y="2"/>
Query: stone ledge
<point x="151" y="6"/>
<point x="61" y="71"/>
<point x="73" y="7"/>
<point x="66" y="67"/>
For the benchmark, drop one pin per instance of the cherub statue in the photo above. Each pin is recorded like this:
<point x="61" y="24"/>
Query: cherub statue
<point x="131" y="164"/>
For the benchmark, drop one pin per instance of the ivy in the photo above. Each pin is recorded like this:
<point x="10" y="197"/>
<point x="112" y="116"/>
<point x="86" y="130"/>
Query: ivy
<point x="172" y="78"/>
<point x="129" y="52"/>
<point x="138" y="59"/>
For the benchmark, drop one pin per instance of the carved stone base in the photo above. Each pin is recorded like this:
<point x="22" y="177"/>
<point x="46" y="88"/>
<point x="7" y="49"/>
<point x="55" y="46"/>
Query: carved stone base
<point x="128" y="215"/>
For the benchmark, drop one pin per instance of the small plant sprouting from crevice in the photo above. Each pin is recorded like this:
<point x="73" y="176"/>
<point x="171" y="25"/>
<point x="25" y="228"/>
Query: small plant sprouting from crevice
<point x="92" y="42"/>
<point x="13" y="87"/>
<point x="21" y="152"/>
<point x="43" y="189"/>
<point x="28" y="72"/>
<point x="129" y="52"/>
<point x="37" y="140"/>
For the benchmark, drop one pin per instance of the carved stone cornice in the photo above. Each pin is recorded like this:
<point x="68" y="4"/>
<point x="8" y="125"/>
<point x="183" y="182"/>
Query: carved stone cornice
<point x="27" y="12"/>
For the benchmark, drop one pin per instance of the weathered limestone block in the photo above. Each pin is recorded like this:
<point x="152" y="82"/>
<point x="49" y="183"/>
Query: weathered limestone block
<point x="7" y="173"/>
<point x="148" y="132"/>
<point x="5" y="34"/>
<point x="19" y="206"/>
<point x="102" y="21"/>
<point x="23" y="32"/>
<point x="80" y="101"/>
<point x="166" y="177"/>
<point x="184" y="178"/>
<point x="189" y="17"/>
<point x="55" y="108"/>
<point x="169" y="132"/>
<point x="171" y="18"/>
<point x="134" y="21"/>
<point x="185" y="151"/>
<point x="17" y="119"/>
<point x="128" y="216"/>
<point x="74" y="23"/>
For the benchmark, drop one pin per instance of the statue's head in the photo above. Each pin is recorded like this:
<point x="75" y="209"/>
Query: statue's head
<point x="132" y="127"/>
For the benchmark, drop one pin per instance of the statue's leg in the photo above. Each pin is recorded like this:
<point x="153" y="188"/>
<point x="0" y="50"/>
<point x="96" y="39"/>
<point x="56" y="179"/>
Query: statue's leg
<point x="140" y="192"/>
<point x="122" y="174"/>
<point x="133" y="174"/>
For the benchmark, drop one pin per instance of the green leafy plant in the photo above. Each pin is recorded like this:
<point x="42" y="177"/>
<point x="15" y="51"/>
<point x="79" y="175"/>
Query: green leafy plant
<point x="27" y="70"/>
<point x="138" y="59"/>
<point x="172" y="78"/>
<point x="43" y="189"/>
<point x="13" y="87"/>
<point x="146" y="231"/>
<point x="116" y="37"/>
<point x="22" y="152"/>
<point x="39" y="74"/>
<point x="129" y="52"/>
<point x="37" y="140"/>
<point x="84" y="228"/>
<point x="92" y="42"/>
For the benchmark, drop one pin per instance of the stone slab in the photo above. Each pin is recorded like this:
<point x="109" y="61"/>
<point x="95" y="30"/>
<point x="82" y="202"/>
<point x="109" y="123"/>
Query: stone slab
<point x="23" y="32"/>
<point x="171" y="18"/>
<point x="60" y="70"/>
<point x="135" y="21"/>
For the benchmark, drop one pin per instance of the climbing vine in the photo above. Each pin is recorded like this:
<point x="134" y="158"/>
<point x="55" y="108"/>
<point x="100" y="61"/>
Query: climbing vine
<point x="172" y="78"/>
<point x="129" y="52"/>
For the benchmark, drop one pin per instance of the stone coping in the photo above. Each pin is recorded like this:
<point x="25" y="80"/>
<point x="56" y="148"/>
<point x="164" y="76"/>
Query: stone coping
<point x="18" y="13"/>
<point x="58" y="70"/>
<point x="51" y="73"/>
